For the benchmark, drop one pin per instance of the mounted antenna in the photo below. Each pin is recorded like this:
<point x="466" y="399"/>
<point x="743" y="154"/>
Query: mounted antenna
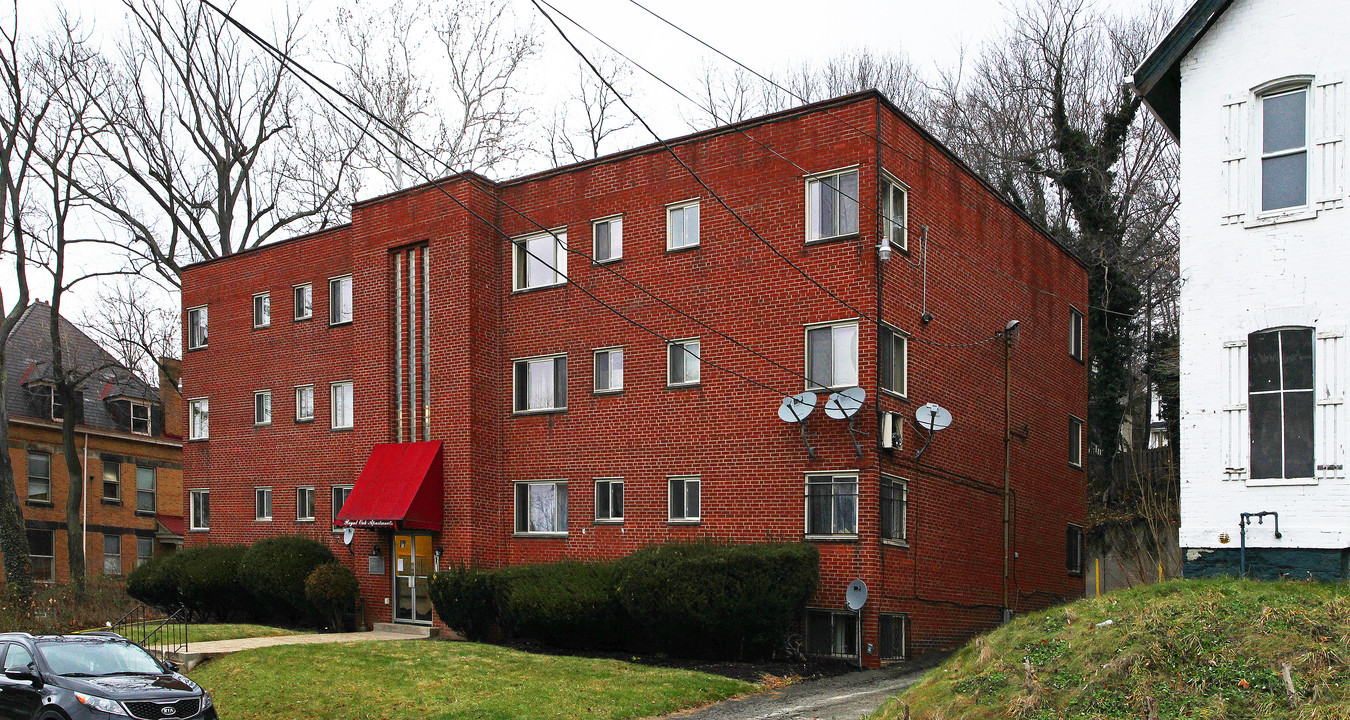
<point x="795" y="409"/>
<point x="856" y="595"/>
<point x="845" y="404"/>
<point x="932" y="417"/>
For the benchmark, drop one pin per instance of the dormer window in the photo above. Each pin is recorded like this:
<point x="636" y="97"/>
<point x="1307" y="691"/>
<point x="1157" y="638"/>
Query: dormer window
<point x="1284" y="148"/>
<point x="140" y="418"/>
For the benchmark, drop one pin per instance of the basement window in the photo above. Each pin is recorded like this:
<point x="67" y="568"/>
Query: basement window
<point x="894" y="631"/>
<point x="1073" y="549"/>
<point x="831" y="634"/>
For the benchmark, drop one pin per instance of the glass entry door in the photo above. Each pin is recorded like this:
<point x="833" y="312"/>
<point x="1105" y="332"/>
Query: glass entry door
<point x="412" y="566"/>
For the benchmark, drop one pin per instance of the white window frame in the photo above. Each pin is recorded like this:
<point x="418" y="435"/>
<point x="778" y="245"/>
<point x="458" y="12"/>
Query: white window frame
<point x="333" y="505"/>
<point x="806" y="345"/>
<point x="1076" y="333"/>
<point x="131" y="419"/>
<point x="333" y="420"/>
<point x="262" y="310"/>
<point x="903" y="486"/>
<point x="520" y="258"/>
<point x="199" y="407"/>
<point x="817" y="179"/>
<point x="149" y="544"/>
<point x="686" y="518"/>
<point x="615" y="224"/>
<point x="116" y="564"/>
<point x="833" y="480"/>
<point x="116" y="468"/>
<point x="529" y="362"/>
<point x="28" y="475"/>
<point x="197" y="318"/>
<point x="301" y="493"/>
<point x="608" y="483"/>
<point x="888" y="182"/>
<point x="258" y="494"/>
<point x="561" y="508"/>
<point x="1076" y="425"/>
<point x="1273" y="89"/>
<point x="296" y="307"/>
<point x="51" y="559"/>
<point x="194" y="510"/>
<point x="608" y="352"/>
<point x="299" y="416"/>
<point x="883" y="333"/>
<point x="262" y="413"/>
<point x="697" y="358"/>
<point x="670" y="224"/>
<point x="153" y="491"/>
<point x="335" y="315"/>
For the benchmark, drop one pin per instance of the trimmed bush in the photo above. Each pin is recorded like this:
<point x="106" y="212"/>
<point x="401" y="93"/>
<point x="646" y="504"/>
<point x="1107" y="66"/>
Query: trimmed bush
<point x="465" y="599"/>
<point x="274" y="573"/>
<point x="569" y="604"/>
<point x="709" y="600"/>
<point x="156" y="582"/>
<point x="332" y="589"/>
<point x="208" y="582"/>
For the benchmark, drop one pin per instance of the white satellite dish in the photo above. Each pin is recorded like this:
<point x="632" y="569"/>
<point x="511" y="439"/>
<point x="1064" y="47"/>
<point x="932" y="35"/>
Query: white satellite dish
<point x="845" y="403"/>
<point x="347" y="535"/>
<point x="933" y="417"/>
<point x="856" y="595"/>
<point x="797" y="407"/>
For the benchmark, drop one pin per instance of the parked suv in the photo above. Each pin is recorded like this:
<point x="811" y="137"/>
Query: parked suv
<point x="99" y="676"/>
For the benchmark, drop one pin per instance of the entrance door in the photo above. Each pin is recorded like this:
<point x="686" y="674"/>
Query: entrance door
<point x="412" y="565"/>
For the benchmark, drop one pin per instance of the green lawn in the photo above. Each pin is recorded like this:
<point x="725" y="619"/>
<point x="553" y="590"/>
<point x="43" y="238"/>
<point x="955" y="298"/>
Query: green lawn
<point x="206" y="632"/>
<point x="430" y="680"/>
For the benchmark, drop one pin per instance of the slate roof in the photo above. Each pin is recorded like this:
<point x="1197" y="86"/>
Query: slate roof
<point x="28" y="355"/>
<point x="1158" y="78"/>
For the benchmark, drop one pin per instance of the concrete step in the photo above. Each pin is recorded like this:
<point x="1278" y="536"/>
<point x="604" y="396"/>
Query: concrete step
<point x="412" y="631"/>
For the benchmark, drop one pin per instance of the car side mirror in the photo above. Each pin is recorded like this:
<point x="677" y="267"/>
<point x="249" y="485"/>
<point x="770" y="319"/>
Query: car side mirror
<point x="169" y="665"/>
<point x="24" y="675"/>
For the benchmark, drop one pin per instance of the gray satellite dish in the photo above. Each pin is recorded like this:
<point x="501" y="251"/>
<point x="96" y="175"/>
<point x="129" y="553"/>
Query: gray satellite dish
<point x="797" y="407"/>
<point x="347" y="535"/>
<point x="933" y="417"/>
<point x="856" y="595"/>
<point x="845" y="403"/>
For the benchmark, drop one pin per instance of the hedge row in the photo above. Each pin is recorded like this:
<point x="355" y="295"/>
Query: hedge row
<point x="692" y="599"/>
<point x="263" y="582"/>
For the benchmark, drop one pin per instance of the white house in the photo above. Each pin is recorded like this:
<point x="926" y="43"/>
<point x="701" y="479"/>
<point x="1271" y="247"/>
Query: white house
<point x="1254" y="92"/>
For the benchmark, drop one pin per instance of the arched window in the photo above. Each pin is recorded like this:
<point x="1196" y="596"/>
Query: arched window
<point x="1284" y="143"/>
<point x="1280" y="397"/>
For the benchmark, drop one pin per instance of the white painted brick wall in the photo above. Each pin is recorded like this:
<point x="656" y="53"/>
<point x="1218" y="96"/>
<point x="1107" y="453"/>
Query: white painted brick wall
<point x="1242" y="277"/>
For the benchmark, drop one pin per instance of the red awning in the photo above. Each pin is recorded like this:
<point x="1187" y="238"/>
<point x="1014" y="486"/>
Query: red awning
<point x="400" y="488"/>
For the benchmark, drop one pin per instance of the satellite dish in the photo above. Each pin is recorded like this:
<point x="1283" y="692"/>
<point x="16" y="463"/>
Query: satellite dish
<point x="845" y="403"/>
<point x="933" y="417"/>
<point x="347" y="535"/>
<point x="856" y="595"/>
<point x="797" y="407"/>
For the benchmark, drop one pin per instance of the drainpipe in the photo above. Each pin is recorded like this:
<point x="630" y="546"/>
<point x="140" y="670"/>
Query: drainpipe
<point x="1245" y="519"/>
<point x="84" y="505"/>
<point x="1009" y="333"/>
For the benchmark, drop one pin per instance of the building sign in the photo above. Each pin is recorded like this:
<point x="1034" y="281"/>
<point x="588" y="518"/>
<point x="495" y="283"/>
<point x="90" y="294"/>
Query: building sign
<point x="375" y="564"/>
<point x="367" y="523"/>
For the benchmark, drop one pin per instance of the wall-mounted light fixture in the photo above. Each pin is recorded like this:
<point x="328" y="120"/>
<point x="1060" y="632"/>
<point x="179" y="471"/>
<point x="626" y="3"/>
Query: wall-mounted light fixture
<point x="883" y="250"/>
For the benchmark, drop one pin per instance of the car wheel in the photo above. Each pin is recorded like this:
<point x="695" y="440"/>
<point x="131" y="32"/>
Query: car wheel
<point x="53" y="715"/>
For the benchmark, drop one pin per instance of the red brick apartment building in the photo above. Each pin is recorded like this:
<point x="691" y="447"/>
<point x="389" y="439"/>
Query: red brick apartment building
<point x="436" y="373"/>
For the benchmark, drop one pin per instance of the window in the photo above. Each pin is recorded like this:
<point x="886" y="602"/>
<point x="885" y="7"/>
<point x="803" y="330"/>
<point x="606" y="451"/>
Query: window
<point x="262" y="407"/>
<point x="1073" y="549"/>
<point x="682" y="226"/>
<point x="340" y="399"/>
<point x="540" y="260"/>
<point x="894" y="508"/>
<point x="893" y="352"/>
<point x="140" y="418"/>
<point x="1284" y="149"/>
<point x="340" y="494"/>
<point x="112" y="554"/>
<point x="145" y="489"/>
<point x="832" y="355"/>
<point x="18" y="657"/>
<point x="55" y="410"/>
<point x="1280" y="396"/>
<point x="1075" y="334"/>
<point x="145" y="549"/>
<point x="304" y="403"/>
<point x="340" y="300"/>
<point x="199" y="510"/>
<point x="682" y="362"/>
<point x="684" y="498"/>
<point x="199" y="426"/>
<point x="197" y="328"/>
<point x="892" y="636"/>
<point x="112" y="480"/>
<point x="541" y="507"/>
<point x="609" y="500"/>
<point x="1075" y="442"/>
<point x="304" y="504"/>
<point x="42" y="549"/>
<point x="609" y="370"/>
<point x="608" y="235"/>
<point x="262" y="310"/>
<point x="39" y="476"/>
<point x="541" y="384"/>
<point x="262" y="503"/>
<point x="831" y="505"/>
<point x="895" y="212"/>
<point x="304" y="301"/>
<point x="832" y="206"/>
<point x="831" y="633"/>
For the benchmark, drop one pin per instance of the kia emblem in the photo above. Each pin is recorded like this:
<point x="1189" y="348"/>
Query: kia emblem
<point x="169" y="710"/>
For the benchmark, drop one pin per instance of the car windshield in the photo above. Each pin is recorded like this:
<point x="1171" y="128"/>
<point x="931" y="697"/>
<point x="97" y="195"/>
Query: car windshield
<point x="93" y="659"/>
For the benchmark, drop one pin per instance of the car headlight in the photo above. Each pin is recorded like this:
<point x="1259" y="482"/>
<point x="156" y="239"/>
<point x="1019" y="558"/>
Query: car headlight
<point x="206" y="699"/>
<point x="102" y="704"/>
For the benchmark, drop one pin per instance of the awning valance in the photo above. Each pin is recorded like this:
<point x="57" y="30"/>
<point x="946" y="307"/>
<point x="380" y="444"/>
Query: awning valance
<point x="399" y="488"/>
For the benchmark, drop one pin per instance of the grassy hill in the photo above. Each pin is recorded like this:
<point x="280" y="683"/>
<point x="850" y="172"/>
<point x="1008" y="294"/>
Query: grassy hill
<point x="1182" y="649"/>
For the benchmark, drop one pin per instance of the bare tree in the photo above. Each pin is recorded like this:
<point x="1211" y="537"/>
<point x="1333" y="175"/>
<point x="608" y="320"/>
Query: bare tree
<point x="591" y="115"/>
<point x="139" y="325"/>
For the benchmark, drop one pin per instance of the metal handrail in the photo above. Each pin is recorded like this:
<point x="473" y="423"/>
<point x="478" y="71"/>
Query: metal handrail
<point x="168" y="635"/>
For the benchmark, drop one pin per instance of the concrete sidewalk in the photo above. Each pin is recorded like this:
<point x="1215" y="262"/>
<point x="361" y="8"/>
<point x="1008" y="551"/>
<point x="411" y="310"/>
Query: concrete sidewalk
<point x="197" y="652"/>
<point x="846" y="697"/>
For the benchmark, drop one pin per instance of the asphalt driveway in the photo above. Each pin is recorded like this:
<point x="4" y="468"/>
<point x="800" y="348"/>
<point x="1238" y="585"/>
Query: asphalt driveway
<point x="843" y="697"/>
